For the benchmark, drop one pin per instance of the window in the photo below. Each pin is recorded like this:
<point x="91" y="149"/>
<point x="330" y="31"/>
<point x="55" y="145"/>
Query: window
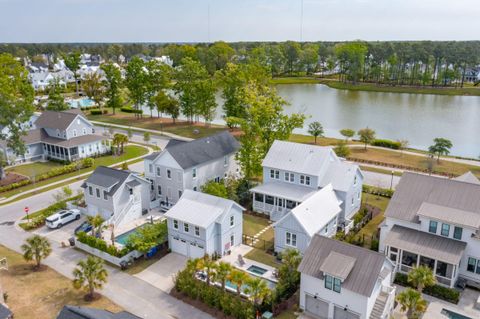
<point x="74" y="132"/>
<point x="186" y="227"/>
<point x="194" y="188"/>
<point x="225" y="160"/>
<point x="291" y="239"/>
<point x="58" y="132"/>
<point x="355" y="180"/>
<point x="179" y="194"/>
<point x="457" y="232"/>
<point x="272" y="173"/>
<point x="150" y="168"/>
<point x="432" y="228"/>
<point x="328" y="282"/>
<point x="97" y="192"/>
<point x="217" y="179"/>
<point x="84" y="131"/>
<point x="337" y="285"/>
<point x="158" y="171"/>
<point x="197" y="231"/>
<point x="90" y="190"/>
<point x="304" y="180"/>
<point x="169" y="174"/>
<point x="445" y="230"/>
<point x="353" y="201"/>
<point x="289" y="177"/>
<point x="258" y="197"/>
<point x="232" y="240"/>
<point x="232" y="221"/>
<point x="269" y="199"/>
<point x="194" y="173"/>
<point x="175" y="224"/>
<point x="471" y="265"/>
<point x="105" y="195"/>
<point x="159" y="189"/>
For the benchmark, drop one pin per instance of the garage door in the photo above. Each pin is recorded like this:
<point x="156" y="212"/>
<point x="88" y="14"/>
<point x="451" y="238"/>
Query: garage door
<point x="179" y="246"/>
<point x="341" y="313"/>
<point x="196" y="251"/>
<point x="316" y="307"/>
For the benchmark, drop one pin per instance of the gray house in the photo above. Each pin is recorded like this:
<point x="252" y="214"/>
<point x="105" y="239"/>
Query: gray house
<point x="292" y="172"/>
<point x="202" y="224"/>
<point x="118" y="196"/>
<point x="189" y="165"/>
<point x="318" y="214"/>
<point x="66" y="135"/>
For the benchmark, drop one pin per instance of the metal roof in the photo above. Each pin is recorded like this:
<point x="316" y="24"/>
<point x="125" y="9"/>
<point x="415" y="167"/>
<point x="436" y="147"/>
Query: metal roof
<point x="426" y="244"/>
<point x="75" y="312"/>
<point x="200" y="209"/>
<point x="203" y="150"/>
<point x="364" y="273"/>
<point x="292" y="192"/>
<point x="415" y="189"/>
<point x="450" y="215"/>
<point x="338" y="265"/>
<point x="133" y="183"/>
<point x="468" y="177"/>
<point x="4" y="312"/>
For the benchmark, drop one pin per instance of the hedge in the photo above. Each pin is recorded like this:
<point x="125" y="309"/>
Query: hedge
<point x="96" y="112"/>
<point x="387" y="143"/>
<point x="129" y="109"/>
<point x="38" y="219"/>
<point x="101" y="245"/>
<point x="378" y="191"/>
<point x="437" y="291"/>
<point x="9" y="187"/>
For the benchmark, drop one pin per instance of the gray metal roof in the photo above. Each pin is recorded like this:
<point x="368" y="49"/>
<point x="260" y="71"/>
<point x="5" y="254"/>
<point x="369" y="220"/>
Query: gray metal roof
<point x="57" y="120"/>
<point x="468" y="177"/>
<point x="107" y="177"/>
<point x="174" y="142"/>
<point x="364" y="273"/>
<point x="293" y="192"/>
<point x="75" y="312"/>
<point x="415" y="189"/>
<point x="338" y="265"/>
<point x="133" y="183"/>
<point x="5" y="313"/>
<point x="426" y="244"/>
<point x="450" y="215"/>
<point x="152" y="156"/>
<point x="203" y="150"/>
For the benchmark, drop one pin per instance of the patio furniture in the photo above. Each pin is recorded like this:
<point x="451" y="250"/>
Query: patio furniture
<point x="241" y="262"/>
<point x="275" y="273"/>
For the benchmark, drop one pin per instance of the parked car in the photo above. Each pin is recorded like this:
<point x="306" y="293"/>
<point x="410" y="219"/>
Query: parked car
<point x="85" y="227"/>
<point x="63" y="217"/>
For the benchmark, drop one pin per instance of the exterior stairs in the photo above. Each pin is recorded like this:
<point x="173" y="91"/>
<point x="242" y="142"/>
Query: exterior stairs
<point x="379" y="306"/>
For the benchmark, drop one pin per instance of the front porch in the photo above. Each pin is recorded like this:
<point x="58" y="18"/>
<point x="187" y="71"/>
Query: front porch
<point x="61" y="153"/>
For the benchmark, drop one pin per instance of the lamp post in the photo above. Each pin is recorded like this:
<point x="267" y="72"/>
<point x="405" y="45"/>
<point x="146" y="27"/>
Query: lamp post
<point x="391" y="180"/>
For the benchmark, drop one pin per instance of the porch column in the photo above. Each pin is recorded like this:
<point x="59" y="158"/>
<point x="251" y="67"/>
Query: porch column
<point x="68" y="154"/>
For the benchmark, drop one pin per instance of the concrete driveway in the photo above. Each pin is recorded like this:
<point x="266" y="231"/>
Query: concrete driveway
<point x="160" y="274"/>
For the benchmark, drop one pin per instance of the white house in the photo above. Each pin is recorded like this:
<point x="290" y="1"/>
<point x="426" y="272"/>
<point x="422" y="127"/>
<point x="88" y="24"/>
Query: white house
<point x="189" y="165"/>
<point x="343" y="281"/>
<point x="292" y="172"/>
<point x="435" y="222"/>
<point x="318" y="214"/>
<point x="202" y="224"/>
<point x="118" y="196"/>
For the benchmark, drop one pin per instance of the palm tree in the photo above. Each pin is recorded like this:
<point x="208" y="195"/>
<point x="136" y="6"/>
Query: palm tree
<point x="90" y="274"/>
<point x="96" y="222"/>
<point x="207" y="265"/>
<point x="192" y="266"/>
<point x="36" y="248"/>
<point x="223" y="269"/>
<point x="315" y="129"/>
<point x="421" y="277"/>
<point x="411" y="301"/>
<point x="258" y="290"/>
<point x="238" y="278"/>
<point x="123" y="141"/>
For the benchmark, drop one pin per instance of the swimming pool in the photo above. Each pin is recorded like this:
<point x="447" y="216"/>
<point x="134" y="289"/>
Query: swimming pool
<point x="122" y="239"/>
<point x="453" y="315"/>
<point x="271" y="285"/>
<point x="86" y="102"/>
<point x="257" y="270"/>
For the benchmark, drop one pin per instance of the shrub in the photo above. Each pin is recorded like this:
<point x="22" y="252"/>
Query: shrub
<point x="96" y="112"/>
<point x="387" y="143"/>
<point x="441" y="292"/>
<point x="88" y="162"/>
<point x="9" y="187"/>
<point x="105" y="111"/>
<point x="101" y="245"/>
<point x="129" y="109"/>
<point x="377" y="191"/>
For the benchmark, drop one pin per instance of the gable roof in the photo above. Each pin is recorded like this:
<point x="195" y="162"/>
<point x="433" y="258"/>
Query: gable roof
<point x="4" y="312"/>
<point x="415" y="189"/>
<point x="362" y="276"/>
<point x="340" y="175"/>
<point x="200" y="209"/>
<point x="298" y="157"/>
<point x="106" y="177"/>
<point x="338" y="265"/>
<point x="468" y="177"/>
<point x="316" y="211"/>
<point x="74" y="312"/>
<point x="203" y="150"/>
<point x="58" y="120"/>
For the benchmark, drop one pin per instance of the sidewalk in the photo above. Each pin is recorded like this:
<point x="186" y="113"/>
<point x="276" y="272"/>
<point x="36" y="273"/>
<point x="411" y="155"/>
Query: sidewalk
<point x="12" y="198"/>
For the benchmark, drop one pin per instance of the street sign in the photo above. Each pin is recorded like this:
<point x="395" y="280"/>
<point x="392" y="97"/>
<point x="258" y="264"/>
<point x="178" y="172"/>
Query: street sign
<point x="26" y="209"/>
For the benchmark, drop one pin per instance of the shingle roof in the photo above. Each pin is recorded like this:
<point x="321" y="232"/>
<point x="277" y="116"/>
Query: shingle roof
<point x="200" y="209"/>
<point x="174" y="142"/>
<point x="364" y="273"/>
<point x="107" y="177"/>
<point x="415" y="189"/>
<point x="74" y="312"/>
<point x="204" y="149"/>
<point x="426" y="244"/>
<point x="39" y="135"/>
<point x="57" y="120"/>
<point x="293" y="192"/>
<point x="4" y="312"/>
<point x="152" y="156"/>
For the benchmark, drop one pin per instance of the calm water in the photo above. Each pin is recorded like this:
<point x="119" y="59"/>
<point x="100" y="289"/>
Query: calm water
<point x="418" y="118"/>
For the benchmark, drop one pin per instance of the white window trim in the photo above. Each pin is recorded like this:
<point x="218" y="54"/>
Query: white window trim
<point x="232" y="218"/>
<point x="194" y="173"/>
<point x="175" y="224"/>
<point x="186" y="228"/>
<point x="291" y="239"/>
<point x="169" y="171"/>
<point x="195" y="231"/>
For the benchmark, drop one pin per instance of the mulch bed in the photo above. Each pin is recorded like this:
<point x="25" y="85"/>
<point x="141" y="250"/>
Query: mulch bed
<point x="11" y="178"/>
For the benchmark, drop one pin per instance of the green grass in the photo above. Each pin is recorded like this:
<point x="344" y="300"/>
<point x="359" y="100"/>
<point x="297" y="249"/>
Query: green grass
<point x="287" y="314"/>
<point x="295" y="80"/>
<point x="131" y="151"/>
<point x="262" y="257"/>
<point x="377" y="201"/>
<point x="372" y="226"/>
<point x="253" y="224"/>
<point x="34" y="169"/>
<point x="380" y="170"/>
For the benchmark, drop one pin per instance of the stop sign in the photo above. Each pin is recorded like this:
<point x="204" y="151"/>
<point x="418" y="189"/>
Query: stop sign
<point x="26" y="209"/>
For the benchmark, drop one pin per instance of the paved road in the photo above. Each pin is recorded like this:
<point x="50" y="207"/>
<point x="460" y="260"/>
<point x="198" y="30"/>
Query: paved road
<point x="137" y="137"/>
<point x="380" y="180"/>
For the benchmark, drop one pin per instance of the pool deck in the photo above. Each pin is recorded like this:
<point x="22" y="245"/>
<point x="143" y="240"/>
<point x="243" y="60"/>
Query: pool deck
<point x="243" y="250"/>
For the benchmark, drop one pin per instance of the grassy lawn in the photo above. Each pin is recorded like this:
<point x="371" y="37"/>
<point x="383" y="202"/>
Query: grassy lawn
<point x="380" y="170"/>
<point x="295" y="80"/>
<point x="34" y="169"/>
<point x="371" y="227"/>
<point x="289" y="314"/>
<point x="253" y="224"/>
<point x="420" y="162"/>
<point x="377" y="201"/>
<point x="131" y="151"/>
<point x="262" y="257"/>
<point x="42" y="293"/>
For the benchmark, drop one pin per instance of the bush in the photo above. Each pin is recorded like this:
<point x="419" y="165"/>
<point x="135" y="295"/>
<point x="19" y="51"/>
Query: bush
<point x="88" y="162"/>
<point x="37" y="219"/>
<point x="105" y="111"/>
<point x="9" y="187"/>
<point x="387" y="143"/>
<point x="441" y="292"/>
<point x="96" y="112"/>
<point x="378" y="191"/>
<point x="129" y="109"/>
<point x="101" y="245"/>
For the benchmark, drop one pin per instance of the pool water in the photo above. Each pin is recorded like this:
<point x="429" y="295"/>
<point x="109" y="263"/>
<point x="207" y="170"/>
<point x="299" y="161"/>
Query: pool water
<point x="453" y="315"/>
<point x="122" y="239"/>
<point x="257" y="270"/>
<point x="81" y="103"/>
<point x="271" y="285"/>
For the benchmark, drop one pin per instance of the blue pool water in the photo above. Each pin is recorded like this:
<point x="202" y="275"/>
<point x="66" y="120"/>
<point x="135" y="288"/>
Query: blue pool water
<point x="122" y="239"/>
<point x="257" y="270"/>
<point x="271" y="285"/>
<point x="453" y="315"/>
<point x="81" y="103"/>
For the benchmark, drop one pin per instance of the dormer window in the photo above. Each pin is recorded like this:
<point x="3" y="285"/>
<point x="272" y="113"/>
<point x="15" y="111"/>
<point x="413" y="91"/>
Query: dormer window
<point x="304" y="180"/>
<point x="333" y="283"/>
<point x="289" y="177"/>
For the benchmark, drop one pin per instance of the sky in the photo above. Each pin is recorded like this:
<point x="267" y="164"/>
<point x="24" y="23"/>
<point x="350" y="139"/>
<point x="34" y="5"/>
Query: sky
<point x="237" y="20"/>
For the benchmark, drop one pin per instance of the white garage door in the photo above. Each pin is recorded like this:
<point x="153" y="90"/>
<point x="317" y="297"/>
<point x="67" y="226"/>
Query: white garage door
<point x="178" y="246"/>
<point x="196" y="251"/>
<point x="342" y="313"/>
<point x="316" y="307"/>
